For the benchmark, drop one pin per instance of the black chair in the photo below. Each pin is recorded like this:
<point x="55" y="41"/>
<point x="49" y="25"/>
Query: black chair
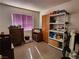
<point x="65" y="58"/>
<point x="5" y="47"/>
<point x="0" y="47"/>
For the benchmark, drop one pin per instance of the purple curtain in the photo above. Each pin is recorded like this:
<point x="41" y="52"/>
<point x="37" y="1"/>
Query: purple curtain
<point x="17" y="19"/>
<point x="24" y="20"/>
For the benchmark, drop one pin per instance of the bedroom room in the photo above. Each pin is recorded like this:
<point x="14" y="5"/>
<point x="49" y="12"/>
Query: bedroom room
<point x="35" y="31"/>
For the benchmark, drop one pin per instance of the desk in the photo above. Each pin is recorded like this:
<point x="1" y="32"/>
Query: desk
<point x="37" y="34"/>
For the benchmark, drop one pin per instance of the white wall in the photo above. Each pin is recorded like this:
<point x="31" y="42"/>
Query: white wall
<point x="71" y="6"/>
<point x="75" y="21"/>
<point x="21" y="4"/>
<point x="5" y="17"/>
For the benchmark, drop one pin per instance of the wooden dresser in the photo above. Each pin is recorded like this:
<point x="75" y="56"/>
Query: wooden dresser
<point x="17" y="36"/>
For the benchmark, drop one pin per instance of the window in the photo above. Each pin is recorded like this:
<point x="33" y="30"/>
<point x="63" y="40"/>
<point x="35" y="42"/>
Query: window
<point x="24" y="20"/>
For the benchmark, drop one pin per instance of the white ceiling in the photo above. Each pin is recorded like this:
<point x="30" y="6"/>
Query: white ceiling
<point x="34" y="4"/>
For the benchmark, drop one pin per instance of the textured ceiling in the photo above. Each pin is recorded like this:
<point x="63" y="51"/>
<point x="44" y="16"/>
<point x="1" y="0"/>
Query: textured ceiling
<point x="38" y="4"/>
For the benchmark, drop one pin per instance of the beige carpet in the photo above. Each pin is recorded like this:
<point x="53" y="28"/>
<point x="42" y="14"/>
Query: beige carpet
<point x="36" y="50"/>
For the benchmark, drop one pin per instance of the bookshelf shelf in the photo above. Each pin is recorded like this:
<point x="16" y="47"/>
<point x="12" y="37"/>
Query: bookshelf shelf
<point x="56" y="31"/>
<point x="57" y="27"/>
<point x="55" y="47"/>
<point x="59" y="40"/>
<point x="60" y="14"/>
<point x="56" y="23"/>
